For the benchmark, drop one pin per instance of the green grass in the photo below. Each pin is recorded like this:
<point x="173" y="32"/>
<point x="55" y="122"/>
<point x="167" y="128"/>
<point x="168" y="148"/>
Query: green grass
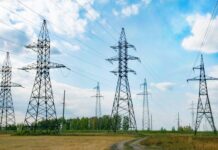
<point x="170" y="141"/>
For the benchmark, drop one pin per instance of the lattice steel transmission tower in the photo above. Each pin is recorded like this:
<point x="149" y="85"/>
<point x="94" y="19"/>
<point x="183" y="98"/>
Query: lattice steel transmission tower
<point x="98" y="97"/>
<point x="6" y="102"/>
<point x="145" y="109"/>
<point x="192" y="114"/>
<point x="41" y="105"/>
<point x="122" y="111"/>
<point x="203" y="110"/>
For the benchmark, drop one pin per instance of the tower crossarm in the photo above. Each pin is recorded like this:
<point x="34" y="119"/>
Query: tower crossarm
<point x="33" y="46"/>
<point x="115" y="58"/>
<point x="130" y="70"/>
<point x="51" y="65"/>
<point x="127" y="71"/>
<point x="129" y="57"/>
<point x="29" y="67"/>
<point x="193" y="79"/>
<point x="198" y="78"/>
<point x="211" y="78"/>
<point x="12" y="84"/>
<point x="127" y="45"/>
<point x="197" y="67"/>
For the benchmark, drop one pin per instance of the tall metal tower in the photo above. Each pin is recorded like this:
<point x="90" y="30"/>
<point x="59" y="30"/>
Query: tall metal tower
<point x="41" y="105"/>
<point x="98" y="97"/>
<point x="122" y="112"/>
<point x="6" y="102"/>
<point x="203" y="110"/>
<point x="193" y="114"/>
<point x="151" y="127"/>
<point x="178" y="122"/>
<point x="63" y="112"/>
<point x="145" y="115"/>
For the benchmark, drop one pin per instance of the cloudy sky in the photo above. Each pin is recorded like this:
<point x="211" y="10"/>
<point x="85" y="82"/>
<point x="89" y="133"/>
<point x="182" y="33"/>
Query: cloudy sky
<point x="167" y="34"/>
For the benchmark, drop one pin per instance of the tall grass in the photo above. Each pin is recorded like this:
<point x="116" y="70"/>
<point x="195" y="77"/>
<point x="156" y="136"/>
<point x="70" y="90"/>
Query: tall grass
<point x="181" y="142"/>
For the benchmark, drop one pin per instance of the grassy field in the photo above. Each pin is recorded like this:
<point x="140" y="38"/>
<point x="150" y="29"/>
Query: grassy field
<point x="102" y="142"/>
<point x="181" y="142"/>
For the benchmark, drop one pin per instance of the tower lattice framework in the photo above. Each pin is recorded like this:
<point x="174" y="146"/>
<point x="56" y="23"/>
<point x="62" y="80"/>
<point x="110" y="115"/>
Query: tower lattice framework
<point x="98" y="97"/>
<point x="145" y="109"/>
<point x="203" y="106"/>
<point x="41" y="106"/>
<point x="6" y="103"/>
<point x="123" y="116"/>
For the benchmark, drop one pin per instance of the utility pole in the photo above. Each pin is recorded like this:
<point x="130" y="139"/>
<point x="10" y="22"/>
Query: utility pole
<point x="145" y="115"/>
<point x="193" y="115"/>
<point x="63" y="118"/>
<point x="203" y="110"/>
<point x="98" y="97"/>
<point x="178" y="123"/>
<point x="41" y="106"/>
<point x="122" y="111"/>
<point x="151" y="123"/>
<point x="6" y="103"/>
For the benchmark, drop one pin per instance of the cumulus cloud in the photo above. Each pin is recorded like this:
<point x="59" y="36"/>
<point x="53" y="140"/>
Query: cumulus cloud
<point x="163" y="86"/>
<point x="21" y="25"/>
<point x="128" y="10"/>
<point x="198" y="25"/>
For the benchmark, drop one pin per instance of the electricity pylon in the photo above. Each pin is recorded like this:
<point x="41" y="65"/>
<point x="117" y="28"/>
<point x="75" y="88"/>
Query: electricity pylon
<point x="41" y="105"/>
<point x="145" y="114"/>
<point x="203" y="97"/>
<point x="178" y="122"/>
<point x="122" y="111"/>
<point x="98" y="97"/>
<point x="63" y="112"/>
<point x="6" y="102"/>
<point x="151" y="127"/>
<point x="192" y="114"/>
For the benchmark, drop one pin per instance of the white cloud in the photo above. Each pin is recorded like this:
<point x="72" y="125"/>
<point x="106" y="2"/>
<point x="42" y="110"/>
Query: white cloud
<point x="198" y="24"/>
<point x="146" y="1"/>
<point x="121" y="2"/>
<point x="163" y="86"/>
<point x="21" y="25"/>
<point x="130" y="10"/>
<point x="115" y="12"/>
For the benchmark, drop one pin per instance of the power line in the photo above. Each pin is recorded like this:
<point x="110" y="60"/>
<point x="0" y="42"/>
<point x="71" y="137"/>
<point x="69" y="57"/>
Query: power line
<point x="214" y="12"/>
<point x="100" y="25"/>
<point x="41" y="16"/>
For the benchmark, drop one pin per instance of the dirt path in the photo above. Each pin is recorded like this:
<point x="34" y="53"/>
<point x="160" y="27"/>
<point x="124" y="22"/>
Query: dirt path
<point x="129" y="145"/>
<point x="135" y="145"/>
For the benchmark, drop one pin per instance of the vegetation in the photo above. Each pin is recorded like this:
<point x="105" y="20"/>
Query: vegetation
<point x="181" y="142"/>
<point x="102" y="142"/>
<point x="50" y="127"/>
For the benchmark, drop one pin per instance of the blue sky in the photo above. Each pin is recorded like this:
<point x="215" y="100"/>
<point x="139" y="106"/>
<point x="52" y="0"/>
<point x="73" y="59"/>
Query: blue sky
<point x="166" y="33"/>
